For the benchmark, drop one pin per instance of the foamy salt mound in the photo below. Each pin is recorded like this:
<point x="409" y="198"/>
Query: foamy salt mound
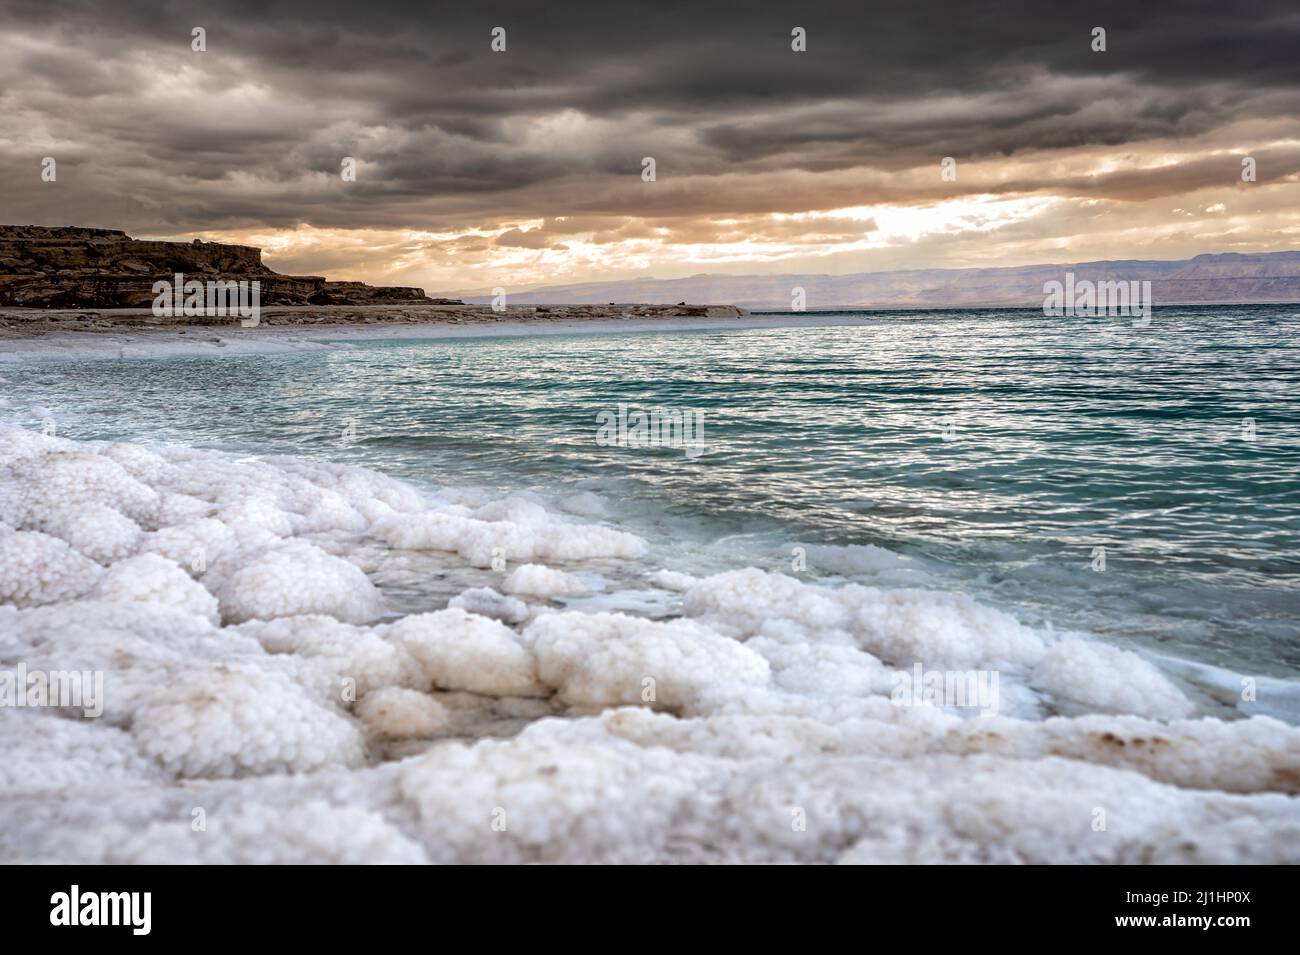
<point x="900" y="626"/>
<point x="536" y="580"/>
<point x="155" y="580"/>
<point x="398" y="713"/>
<point x="293" y="578"/>
<point x="515" y="529"/>
<point x="1107" y="679"/>
<point x="609" y="658"/>
<point x="254" y="677"/>
<point x="38" y="569"/>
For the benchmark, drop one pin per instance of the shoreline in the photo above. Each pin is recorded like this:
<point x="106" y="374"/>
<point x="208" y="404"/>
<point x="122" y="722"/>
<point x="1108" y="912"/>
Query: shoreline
<point x="97" y="334"/>
<point x="231" y="663"/>
<point x="89" y="334"/>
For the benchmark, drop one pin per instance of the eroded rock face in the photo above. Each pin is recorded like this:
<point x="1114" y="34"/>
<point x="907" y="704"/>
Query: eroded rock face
<point x="72" y="267"/>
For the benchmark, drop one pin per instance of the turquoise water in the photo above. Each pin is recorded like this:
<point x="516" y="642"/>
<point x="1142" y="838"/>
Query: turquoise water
<point x="997" y="449"/>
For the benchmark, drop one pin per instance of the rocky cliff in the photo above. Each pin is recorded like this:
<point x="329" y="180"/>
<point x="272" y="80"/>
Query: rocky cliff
<point x="44" y="267"/>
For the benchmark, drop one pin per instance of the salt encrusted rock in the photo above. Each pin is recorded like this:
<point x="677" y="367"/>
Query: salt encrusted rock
<point x="461" y="651"/>
<point x="19" y="444"/>
<point x="529" y="795"/>
<point x="899" y="626"/>
<point x="1255" y="755"/>
<point x="395" y="713"/>
<point x="159" y="581"/>
<point x="673" y="580"/>
<point x="148" y="466"/>
<point x="240" y="720"/>
<point x="352" y="653"/>
<point x="1101" y="678"/>
<point x="609" y="659"/>
<point x="61" y="481"/>
<point x="306" y="833"/>
<point x="45" y="754"/>
<point x="256" y="521"/>
<point x="819" y="668"/>
<point x="298" y="578"/>
<point x="488" y="536"/>
<point x="193" y="544"/>
<point x="176" y="509"/>
<point x="138" y="646"/>
<point x="37" y="569"/>
<point x="97" y="531"/>
<point x="538" y="580"/>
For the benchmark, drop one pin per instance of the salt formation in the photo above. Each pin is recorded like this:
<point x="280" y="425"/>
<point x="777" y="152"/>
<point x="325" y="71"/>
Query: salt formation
<point x="256" y="676"/>
<point x="398" y="713"/>
<point x="538" y="580"/>
<point x="152" y="579"/>
<point x="609" y="658"/>
<point x="486" y="602"/>
<point x="297" y="578"/>
<point x="514" y="529"/>
<point x="38" y="569"/>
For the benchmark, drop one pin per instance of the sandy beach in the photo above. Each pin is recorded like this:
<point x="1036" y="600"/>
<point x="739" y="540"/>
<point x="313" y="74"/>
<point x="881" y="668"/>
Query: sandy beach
<point x="81" y="334"/>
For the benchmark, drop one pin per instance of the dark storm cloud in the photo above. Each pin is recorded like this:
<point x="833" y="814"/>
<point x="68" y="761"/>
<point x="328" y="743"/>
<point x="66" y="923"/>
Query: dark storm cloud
<point x="251" y="132"/>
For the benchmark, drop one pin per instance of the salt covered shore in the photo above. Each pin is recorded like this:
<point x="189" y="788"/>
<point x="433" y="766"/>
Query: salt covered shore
<point x="263" y="701"/>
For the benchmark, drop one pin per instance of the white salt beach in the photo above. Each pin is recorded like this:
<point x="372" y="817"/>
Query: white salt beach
<point x="252" y="669"/>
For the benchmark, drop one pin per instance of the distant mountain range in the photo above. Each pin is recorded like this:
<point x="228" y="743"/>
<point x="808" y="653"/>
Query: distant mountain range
<point x="1228" y="277"/>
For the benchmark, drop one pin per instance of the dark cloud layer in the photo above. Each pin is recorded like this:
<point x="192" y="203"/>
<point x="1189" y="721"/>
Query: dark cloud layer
<point x="449" y="135"/>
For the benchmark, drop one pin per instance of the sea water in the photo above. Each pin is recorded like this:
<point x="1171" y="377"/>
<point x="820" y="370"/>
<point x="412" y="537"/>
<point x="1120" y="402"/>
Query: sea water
<point x="1141" y="484"/>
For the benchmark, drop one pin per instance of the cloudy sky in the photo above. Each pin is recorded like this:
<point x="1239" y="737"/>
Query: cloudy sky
<point x="478" y="168"/>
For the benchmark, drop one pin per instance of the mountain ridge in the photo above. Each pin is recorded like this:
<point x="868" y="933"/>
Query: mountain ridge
<point x="1206" y="278"/>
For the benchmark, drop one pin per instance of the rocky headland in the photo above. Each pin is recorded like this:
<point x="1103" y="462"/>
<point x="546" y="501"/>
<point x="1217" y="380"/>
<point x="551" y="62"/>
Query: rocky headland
<point x="72" y="267"/>
<point x="71" y="279"/>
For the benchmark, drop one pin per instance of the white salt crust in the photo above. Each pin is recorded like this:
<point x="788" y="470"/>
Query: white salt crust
<point x="540" y="581"/>
<point x="252" y="672"/>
